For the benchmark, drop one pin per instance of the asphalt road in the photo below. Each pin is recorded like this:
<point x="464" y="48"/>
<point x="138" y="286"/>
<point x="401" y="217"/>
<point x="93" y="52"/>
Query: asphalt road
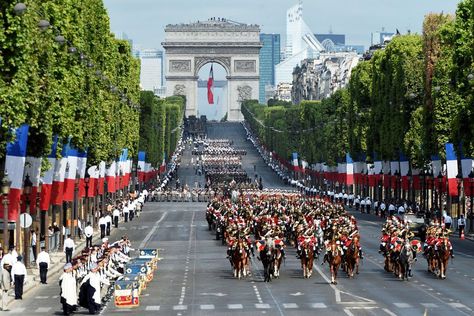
<point x="195" y="278"/>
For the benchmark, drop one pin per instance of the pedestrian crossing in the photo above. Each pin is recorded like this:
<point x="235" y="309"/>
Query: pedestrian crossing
<point x="257" y="306"/>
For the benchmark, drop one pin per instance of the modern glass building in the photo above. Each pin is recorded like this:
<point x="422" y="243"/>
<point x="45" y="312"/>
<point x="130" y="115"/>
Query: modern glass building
<point x="269" y="57"/>
<point x="152" y="70"/>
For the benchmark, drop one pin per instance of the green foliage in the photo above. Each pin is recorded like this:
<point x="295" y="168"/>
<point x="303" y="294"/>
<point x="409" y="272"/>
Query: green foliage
<point x="160" y="120"/>
<point x="56" y="92"/>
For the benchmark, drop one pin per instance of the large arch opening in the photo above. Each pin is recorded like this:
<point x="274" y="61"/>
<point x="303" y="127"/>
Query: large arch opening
<point x="218" y="110"/>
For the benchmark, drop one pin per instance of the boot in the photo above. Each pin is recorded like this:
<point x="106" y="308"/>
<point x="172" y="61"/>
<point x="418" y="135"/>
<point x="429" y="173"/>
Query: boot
<point x="409" y="273"/>
<point x="451" y="253"/>
<point x="324" y="259"/>
<point x="298" y="254"/>
<point x="360" y="254"/>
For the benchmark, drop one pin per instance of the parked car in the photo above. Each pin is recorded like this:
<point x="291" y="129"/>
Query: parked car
<point x="417" y="224"/>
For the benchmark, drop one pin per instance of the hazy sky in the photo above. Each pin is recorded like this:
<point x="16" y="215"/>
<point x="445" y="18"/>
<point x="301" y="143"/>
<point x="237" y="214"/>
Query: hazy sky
<point x="144" y="20"/>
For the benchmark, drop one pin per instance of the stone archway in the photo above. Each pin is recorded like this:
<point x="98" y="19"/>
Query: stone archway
<point x="235" y="46"/>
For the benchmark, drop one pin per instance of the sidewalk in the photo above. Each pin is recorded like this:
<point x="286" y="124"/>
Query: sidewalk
<point x="58" y="260"/>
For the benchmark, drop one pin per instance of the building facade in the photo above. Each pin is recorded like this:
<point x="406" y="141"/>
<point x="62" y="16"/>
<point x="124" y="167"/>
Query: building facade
<point x="317" y="79"/>
<point x="300" y="44"/>
<point x="269" y="58"/>
<point x="152" y="72"/>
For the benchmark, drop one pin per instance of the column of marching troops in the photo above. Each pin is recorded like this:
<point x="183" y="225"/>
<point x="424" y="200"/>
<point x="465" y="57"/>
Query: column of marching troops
<point x="87" y="277"/>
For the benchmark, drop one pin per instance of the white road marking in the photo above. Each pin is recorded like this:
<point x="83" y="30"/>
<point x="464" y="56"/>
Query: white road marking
<point x="429" y="305"/>
<point x="262" y="306"/>
<point x="234" y="306"/>
<point x="458" y="305"/>
<point x="180" y="307"/>
<point x="207" y="306"/>
<point x="290" y="305"/>
<point x="153" y="308"/>
<point x="152" y="231"/>
<point x="348" y="312"/>
<point x="41" y="297"/>
<point x="386" y="310"/>
<point x="17" y="310"/>
<point x="402" y="305"/>
<point x="318" y="305"/>
<point x="42" y="309"/>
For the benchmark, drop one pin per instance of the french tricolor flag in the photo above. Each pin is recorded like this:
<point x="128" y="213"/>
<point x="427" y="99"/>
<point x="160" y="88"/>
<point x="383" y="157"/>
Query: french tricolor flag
<point x="349" y="170"/>
<point x="141" y="165"/>
<point x="466" y="166"/>
<point x="33" y="171"/>
<point x="47" y="179"/>
<point x="101" y="180"/>
<point x="394" y="168"/>
<point x="452" y="168"/>
<point x="294" y="161"/>
<point x="81" y="169"/>
<point x="94" y="174"/>
<point x="110" y="177"/>
<point x="70" y="177"/>
<point x="404" y="168"/>
<point x="58" y="179"/>
<point x="14" y="166"/>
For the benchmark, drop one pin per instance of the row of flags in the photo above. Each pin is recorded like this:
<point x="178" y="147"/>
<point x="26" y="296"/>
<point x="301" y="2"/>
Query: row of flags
<point x="59" y="181"/>
<point x="349" y="172"/>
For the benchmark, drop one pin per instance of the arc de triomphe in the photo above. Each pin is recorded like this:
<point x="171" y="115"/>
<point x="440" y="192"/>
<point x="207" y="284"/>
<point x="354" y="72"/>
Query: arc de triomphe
<point x="235" y="46"/>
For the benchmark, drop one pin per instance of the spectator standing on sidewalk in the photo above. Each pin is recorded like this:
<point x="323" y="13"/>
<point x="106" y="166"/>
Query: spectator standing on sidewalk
<point x="69" y="248"/>
<point x="125" y="211"/>
<point x="33" y="243"/>
<point x="19" y="277"/>
<point x="79" y="228"/>
<point x="461" y="224"/>
<point x="108" y="223"/>
<point x="102" y="225"/>
<point x="448" y="221"/>
<point x="88" y="231"/>
<point x="116" y="215"/>
<point x="43" y="261"/>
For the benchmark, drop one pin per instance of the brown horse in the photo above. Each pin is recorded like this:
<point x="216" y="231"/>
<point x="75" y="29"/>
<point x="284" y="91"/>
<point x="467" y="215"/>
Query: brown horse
<point x="334" y="258"/>
<point x="278" y="259"/>
<point x="352" y="259"/>
<point x="240" y="259"/>
<point x="442" y="254"/>
<point x="307" y="258"/>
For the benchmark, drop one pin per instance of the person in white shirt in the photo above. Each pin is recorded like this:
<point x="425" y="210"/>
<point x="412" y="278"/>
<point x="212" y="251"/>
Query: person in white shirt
<point x="391" y="209"/>
<point x="401" y="210"/>
<point x="102" y="225"/>
<point x="69" y="248"/>
<point x="116" y="215"/>
<point x="7" y="263"/>
<point x="108" y="223"/>
<point x="357" y="203"/>
<point x="33" y="244"/>
<point x="88" y="231"/>
<point x="19" y="277"/>
<point x="382" y="209"/>
<point x="125" y="213"/>
<point x="448" y="221"/>
<point x="461" y="224"/>
<point x="362" y="205"/>
<point x="43" y="261"/>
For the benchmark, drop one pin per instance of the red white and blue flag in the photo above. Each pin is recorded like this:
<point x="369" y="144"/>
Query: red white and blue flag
<point x="81" y="169"/>
<point x="33" y="171"/>
<point x="14" y="166"/>
<point x="71" y="171"/>
<point x="47" y="179"/>
<point x="210" y="87"/>
<point x="452" y="169"/>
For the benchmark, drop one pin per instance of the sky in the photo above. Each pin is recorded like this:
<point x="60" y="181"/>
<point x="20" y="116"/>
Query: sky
<point x="144" y="20"/>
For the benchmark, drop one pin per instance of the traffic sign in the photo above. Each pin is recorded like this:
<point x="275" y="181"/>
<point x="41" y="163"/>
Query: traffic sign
<point x="25" y="220"/>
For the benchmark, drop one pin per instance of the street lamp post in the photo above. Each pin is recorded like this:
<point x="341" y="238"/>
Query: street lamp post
<point x="5" y="187"/>
<point x="380" y="186"/>
<point x="27" y="185"/>
<point x="139" y="168"/>
<point x="459" y="181"/>
<point x="440" y="183"/>
<point x="422" y="194"/>
<point x="431" y="187"/>
<point x="471" y="187"/>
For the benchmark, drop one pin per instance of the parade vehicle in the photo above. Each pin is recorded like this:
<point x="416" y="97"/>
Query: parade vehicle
<point x="417" y="224"/>
<point x="127" y="293"/>
<point x="139" y="269"/>
<point x="150" y="253"/>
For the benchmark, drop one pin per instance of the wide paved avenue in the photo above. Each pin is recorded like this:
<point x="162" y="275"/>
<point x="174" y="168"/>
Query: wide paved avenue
<point x="195" y="278"/>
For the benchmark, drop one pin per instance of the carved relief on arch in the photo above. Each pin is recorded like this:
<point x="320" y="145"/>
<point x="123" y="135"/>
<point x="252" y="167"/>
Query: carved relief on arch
<point x="245" y="92"/>
<point x="179" y="89"/>
<point x="201" y="61"/>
